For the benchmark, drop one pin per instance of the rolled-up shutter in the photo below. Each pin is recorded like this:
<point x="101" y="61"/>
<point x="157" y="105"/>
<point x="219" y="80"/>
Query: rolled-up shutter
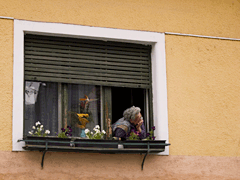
<point x="85" y="61"/>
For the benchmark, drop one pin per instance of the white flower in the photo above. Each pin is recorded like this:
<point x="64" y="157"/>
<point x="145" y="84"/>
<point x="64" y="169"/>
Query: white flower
<point x="34" y="127"/>
<point x="97" y="131"/>
<point x="38" y="123"/>
<point x="91" y="132"/>
<point x="97" y="127"/>
<point x="41" y="126"/>
<point x="103" y="132"/>
<point x="87" y="131"/>
<point x="41" y="129"/>
<point x="30" y="132"/>
<point x="47" y="132"/>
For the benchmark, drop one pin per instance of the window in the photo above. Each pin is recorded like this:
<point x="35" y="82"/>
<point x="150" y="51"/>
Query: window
<point x="64" y="72"/>
<point x="72" y="88"/>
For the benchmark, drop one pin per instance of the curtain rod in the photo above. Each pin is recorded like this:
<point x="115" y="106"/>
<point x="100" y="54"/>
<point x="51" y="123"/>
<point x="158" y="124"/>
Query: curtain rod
<point x="201" y="36"/>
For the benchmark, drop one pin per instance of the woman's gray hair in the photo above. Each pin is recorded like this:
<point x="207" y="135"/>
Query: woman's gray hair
<point x="131" y="113"/>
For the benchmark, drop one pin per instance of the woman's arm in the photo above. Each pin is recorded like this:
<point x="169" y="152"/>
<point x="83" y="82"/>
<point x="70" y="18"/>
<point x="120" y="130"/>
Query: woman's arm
<point x="120" y="133"/>
<point x="143" y="133"/>
<point x="141" y="129"/>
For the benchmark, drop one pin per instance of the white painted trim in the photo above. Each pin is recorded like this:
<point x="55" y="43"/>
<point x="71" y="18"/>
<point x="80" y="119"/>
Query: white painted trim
<point x="157" y="40"/>
<point x="18" y="95"/>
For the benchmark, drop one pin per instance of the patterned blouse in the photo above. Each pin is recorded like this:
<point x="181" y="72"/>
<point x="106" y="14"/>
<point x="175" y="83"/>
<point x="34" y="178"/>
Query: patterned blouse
<point x="120" y="133"/>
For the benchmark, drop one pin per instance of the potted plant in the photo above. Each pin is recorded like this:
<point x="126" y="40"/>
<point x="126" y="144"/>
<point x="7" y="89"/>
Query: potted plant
<point x="134" y="142"/>
<point x="38" y="136"/>
<point x="95" y="139"/>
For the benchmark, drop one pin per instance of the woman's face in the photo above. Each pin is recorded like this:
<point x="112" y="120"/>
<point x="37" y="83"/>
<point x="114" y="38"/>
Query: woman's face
<point x="137" y="119"/>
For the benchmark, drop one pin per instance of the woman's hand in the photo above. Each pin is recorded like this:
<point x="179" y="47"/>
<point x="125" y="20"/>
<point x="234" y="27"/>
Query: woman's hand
<point x="138" y="126"/>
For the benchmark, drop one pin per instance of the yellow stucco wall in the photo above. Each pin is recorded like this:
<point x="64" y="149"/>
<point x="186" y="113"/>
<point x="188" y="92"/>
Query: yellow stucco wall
<point x="202" y="74"/>
<point x="217" y="18"/>
<point x="6" y="83"/>
<point x="203" y="96"/>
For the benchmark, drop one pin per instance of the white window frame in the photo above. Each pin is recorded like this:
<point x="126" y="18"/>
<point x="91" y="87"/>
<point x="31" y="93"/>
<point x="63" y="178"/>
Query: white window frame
<point x="159" y="83"/>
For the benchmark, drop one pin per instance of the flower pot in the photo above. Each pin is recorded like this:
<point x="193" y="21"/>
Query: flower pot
<point x="52" y="141"/>
<point x="139" y="144"/>
<point x="95" y="143"/>
<point x="82" y="134"/>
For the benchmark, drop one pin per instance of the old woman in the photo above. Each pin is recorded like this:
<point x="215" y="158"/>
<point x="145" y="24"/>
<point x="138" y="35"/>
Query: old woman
<point x="131" y="121"/>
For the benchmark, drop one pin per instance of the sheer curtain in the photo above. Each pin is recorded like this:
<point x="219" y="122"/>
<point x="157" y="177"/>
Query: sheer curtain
<point x="41" y="104"/>
<point x="77" y="92"/>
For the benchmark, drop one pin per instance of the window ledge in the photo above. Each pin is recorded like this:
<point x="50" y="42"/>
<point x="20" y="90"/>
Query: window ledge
<point x="92" y="145"/>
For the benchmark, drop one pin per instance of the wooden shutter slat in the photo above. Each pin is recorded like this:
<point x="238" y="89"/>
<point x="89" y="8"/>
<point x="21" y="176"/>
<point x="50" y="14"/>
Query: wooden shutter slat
<point x="97" y="64"/>
<point x="77" y="54"/>
<point x="86" y="42"/>
<point x="97" y="78"/>
<point x="87" y="58"/>
<point x="75" y="81"/>
<point x="41" y="67"/>
<point x="85" y="65"/>
<point x="84" y="73"/>
<point x="57" y="59"/>
<point x="57" y="48"/>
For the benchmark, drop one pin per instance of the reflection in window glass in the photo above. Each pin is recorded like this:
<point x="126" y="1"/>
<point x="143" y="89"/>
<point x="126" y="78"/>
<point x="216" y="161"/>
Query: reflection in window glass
<point x="78" y="106"/>
<point x="83" y="107"/>
<point x="41" y="104"/>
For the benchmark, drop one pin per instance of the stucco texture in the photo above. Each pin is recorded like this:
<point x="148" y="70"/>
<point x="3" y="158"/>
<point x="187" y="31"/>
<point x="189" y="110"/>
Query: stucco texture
<point x="85" y="166"/>
<point x="216" y="18"/>
<point x="203" y="96"/>
<point x="202" y="74"/>
<point x="6" y="83"/>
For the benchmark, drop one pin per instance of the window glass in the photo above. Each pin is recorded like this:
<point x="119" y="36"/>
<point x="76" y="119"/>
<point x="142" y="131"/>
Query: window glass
<point x="41" y="104"/>
<point x="83" y="100"/>
<point x="78" y="106"/>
